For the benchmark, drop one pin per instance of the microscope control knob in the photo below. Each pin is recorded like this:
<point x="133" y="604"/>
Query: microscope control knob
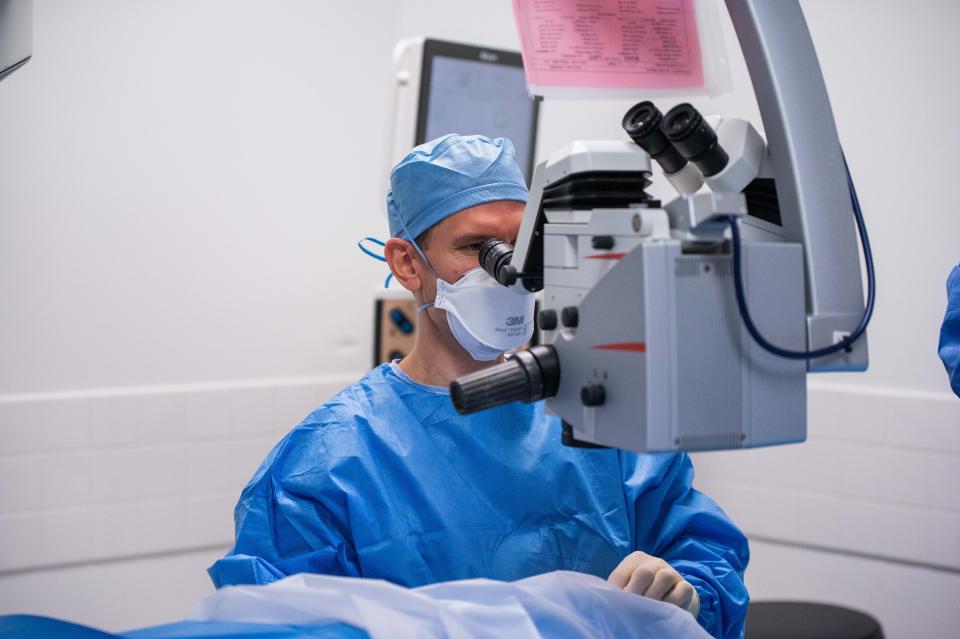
<point x="569" y="316"/>
<point x="602" y="242"/>
<point x="593" y="395"/>
<point x="547" y="319"/>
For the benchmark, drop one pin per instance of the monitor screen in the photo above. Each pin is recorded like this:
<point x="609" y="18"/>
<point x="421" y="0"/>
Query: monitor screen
<point x="470" y="90"/>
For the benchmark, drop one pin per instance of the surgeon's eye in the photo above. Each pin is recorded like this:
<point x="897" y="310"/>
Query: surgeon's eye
<point x="474" y="246"/>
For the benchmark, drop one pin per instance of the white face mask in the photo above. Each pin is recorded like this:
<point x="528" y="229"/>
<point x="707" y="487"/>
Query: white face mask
<point x="485" y="317"/>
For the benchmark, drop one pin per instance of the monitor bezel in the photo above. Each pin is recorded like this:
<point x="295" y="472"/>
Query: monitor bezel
<point x="488" y="55"/>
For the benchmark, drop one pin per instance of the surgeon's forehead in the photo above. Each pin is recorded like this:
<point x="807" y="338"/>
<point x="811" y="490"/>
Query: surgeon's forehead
<point x="482" y="222"/>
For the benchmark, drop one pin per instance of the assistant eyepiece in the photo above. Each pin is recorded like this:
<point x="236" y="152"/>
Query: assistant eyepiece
<point x="495" y="256"/>
<point x="695" y="139"/>
<point x="642" y="124"/>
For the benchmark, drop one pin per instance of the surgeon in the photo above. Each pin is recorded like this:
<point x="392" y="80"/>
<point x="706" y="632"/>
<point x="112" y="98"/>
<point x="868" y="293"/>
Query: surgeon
<point x="950" y="332"/>
<point x="386" y="480"/>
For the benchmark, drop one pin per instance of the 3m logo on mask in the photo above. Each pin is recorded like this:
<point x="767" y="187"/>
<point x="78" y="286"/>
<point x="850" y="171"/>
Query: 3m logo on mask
<point x="516" y="320"/>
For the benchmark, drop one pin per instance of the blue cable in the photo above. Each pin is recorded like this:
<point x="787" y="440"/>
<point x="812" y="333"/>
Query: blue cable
<point x="871" y="287"/>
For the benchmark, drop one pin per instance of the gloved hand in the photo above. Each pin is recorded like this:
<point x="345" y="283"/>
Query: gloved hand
<point x="652" y="577"/>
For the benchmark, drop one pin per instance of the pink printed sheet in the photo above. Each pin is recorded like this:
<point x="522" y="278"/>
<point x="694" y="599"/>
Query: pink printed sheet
<point x="612" y="44"/>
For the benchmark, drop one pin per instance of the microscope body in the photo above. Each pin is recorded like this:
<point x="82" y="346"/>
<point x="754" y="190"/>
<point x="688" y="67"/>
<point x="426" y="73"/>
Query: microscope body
<point x="642" y="317"/>
<point x="692" y="326"/>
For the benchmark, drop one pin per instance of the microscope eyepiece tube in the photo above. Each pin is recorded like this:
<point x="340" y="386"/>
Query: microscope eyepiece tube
<point x="695" y="139"/>
<point x="494" y="257"/>
<point x="642" y="124"/>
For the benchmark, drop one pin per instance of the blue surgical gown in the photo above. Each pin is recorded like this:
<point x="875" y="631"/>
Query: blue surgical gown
<point x="388" y="481"/>
<point x="950" y="332"/>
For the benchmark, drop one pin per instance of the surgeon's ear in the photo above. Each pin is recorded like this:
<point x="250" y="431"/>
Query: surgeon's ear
<point x="403" y="261"/>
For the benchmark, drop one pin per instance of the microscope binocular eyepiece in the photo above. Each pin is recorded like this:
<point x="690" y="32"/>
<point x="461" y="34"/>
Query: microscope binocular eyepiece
<point x="695" y="139"/>
<point x="495" y="256"/>
<point x="673" y="139"/>
<point x="642" y="123"/>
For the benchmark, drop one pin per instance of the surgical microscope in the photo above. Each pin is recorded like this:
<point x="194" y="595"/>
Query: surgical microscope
<point x="692" y="325"/>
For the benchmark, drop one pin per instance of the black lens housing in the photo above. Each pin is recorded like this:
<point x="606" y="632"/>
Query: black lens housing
<point x="528" y="376"/>
<point x="695" y="139"/>
<point x="494" y="257"/>
<point x="642" y="124"/>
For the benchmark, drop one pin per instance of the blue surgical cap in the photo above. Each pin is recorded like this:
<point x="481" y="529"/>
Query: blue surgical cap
<point x="449" y="174"/>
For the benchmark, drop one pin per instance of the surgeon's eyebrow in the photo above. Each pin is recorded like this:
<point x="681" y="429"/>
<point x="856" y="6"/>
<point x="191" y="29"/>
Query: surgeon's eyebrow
<point x="475" y="237"/>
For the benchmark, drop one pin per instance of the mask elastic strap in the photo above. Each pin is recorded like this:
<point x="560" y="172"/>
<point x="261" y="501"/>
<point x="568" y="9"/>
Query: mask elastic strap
<point x="413" y="241"/>
<point x="410" y="238"/>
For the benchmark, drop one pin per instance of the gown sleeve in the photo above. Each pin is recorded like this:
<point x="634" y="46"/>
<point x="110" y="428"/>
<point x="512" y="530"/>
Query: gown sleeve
<point x="949" y="348"/>
<point x="688" y="530"/>
<point x="290" y="517"/>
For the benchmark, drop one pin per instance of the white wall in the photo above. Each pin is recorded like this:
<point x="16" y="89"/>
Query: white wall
<point x="181" y="184"/>
<point x="181" y="188"/>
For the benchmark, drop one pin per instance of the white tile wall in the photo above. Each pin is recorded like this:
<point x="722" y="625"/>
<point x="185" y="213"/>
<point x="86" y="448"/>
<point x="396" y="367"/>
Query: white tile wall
<point x="878" y="475"/>
<point x="116" y="595"/>
<point x="121" y="473"/>
<point x="129" y="472"/>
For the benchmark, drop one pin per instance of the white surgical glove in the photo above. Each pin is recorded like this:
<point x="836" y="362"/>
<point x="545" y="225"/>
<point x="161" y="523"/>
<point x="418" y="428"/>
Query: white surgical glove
<point x="652" y="577"/>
